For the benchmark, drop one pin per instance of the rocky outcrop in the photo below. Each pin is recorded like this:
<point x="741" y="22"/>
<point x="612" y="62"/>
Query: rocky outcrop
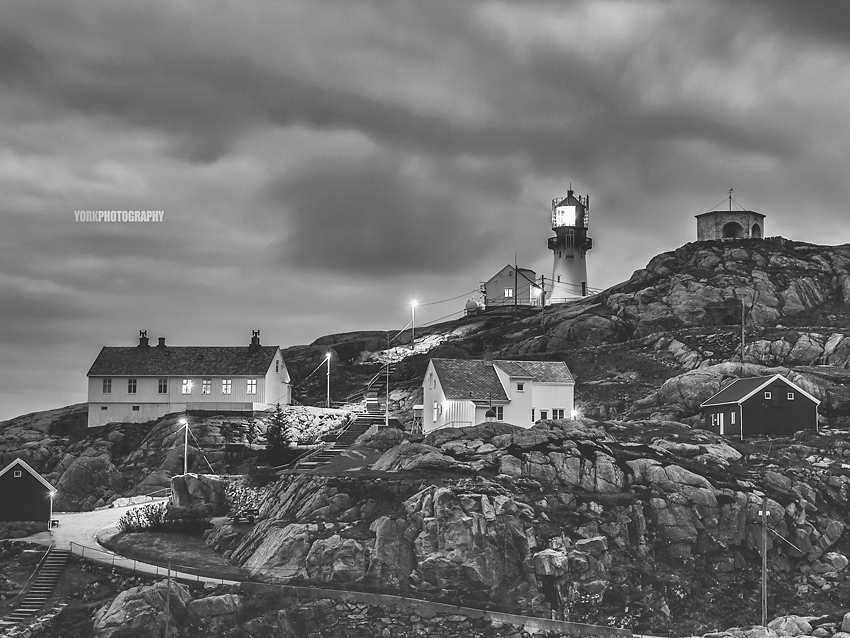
<point x="87" y="481"/>
<point x="189" y="490"/>
<point x="139" y="612"/>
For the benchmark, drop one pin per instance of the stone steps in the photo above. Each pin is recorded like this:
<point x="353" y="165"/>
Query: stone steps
<point x="41" y="588"/>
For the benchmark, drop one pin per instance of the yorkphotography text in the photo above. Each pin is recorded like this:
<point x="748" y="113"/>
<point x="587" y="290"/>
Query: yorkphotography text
<point x="119" y="215"/>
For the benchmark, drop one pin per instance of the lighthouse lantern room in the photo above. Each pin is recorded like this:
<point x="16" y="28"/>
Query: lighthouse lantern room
<point x="570" y="217"/>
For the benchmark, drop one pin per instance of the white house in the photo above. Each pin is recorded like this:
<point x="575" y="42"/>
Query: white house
<point x="142" y="383"/>
<point x="512" y="286"/>
<point x="458" y="392"/>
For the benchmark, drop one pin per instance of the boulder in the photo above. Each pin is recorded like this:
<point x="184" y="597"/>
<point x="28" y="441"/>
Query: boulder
<point x="199" y="489"/>
<point x="790" y="626"/>
<point x="336" y="560"/>
<point x="139" y="612"/>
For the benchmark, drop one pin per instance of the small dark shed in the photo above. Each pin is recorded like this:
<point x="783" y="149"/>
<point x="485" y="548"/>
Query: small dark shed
<point x="24" y="494"/>
<point x="771" y="406"/>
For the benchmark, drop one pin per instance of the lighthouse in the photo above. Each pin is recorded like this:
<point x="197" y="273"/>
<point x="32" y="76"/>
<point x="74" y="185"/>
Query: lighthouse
<point x="570" y="216"/>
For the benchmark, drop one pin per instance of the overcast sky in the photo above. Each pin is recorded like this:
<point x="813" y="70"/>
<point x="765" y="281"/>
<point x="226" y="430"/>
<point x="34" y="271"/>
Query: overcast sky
<point x="321" y="163"/>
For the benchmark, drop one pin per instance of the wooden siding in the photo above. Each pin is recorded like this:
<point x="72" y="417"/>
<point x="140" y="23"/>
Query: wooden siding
<point x="24" y="498"/>
<point x="778" y="416"/>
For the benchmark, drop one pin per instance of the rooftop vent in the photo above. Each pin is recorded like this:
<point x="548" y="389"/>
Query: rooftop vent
<point x="161" y="343"/>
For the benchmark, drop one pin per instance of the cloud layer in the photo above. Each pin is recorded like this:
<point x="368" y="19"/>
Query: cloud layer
<point x="321" y="163"/>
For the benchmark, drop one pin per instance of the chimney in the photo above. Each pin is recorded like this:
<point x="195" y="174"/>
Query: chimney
<point x="255" y="340"/>
<point x="143" y="339"/>
<point x="488" y="354"/>
<point x="161" y="343"/>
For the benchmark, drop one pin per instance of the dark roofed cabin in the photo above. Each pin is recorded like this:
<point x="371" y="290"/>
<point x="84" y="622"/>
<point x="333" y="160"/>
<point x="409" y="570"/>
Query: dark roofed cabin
<point x="772" y="406"/>
<point x="24" y="494"/>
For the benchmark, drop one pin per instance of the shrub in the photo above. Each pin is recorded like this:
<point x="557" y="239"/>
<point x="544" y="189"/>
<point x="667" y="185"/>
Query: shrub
<point x="162" y="517"/>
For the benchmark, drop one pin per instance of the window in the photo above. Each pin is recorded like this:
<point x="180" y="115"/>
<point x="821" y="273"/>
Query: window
<point x="520" y="387"/>
<point x="276" y="365"/>
<point x="103" y="407"/>
<point x="434" y="419"/>
<point x="107" y="386"/>
<point x="163" y="386"/>
<point x="767" y="395"/>
<point x="532" y="415"/>
<point x="500" y="412"/>
<point x="131" y="386"/>
<point x="252" y="386"/>
<point x="557" y="413"/>
<point x="187" y="386"/>
<point x="206" y="386"/>
<point x="790" y="396"/>
<point x="225" y="386"/>
<point x="17" y="474"/>
<point x="431" y="381"/>
<point x="509" y="292"/>
<point x="135" y="408"/>
<point x="544" y="414"/>
<point x="732" y="418"/>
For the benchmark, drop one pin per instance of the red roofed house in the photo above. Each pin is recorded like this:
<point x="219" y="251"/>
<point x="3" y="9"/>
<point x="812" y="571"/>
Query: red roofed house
<point x="143" y="383"/>
<point x="25" y="497"/>
<point x="761" y="405"/>
<point x="458" y="392"/>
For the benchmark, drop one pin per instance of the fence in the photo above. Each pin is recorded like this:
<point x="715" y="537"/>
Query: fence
<point x="180" y="572"/>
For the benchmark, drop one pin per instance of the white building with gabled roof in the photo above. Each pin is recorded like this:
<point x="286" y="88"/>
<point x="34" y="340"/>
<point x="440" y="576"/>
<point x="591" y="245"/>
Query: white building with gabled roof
<point x="458" y="392"/>
<point x="142" y="383"/>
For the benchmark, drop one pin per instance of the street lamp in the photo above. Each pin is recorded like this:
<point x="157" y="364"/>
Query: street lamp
<point x="413" y="305"/>
<point x="328" y="401"/>
<point x="185" y="423"/>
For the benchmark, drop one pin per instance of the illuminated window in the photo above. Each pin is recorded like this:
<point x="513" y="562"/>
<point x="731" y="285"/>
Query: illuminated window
<point x="163" y="386"/>
<point x="107" y="386"/>
<point x="732" y="418"/>
<point x="509" y="292"/>
<point x="252" y="386"/>
<point x="225" y="386"/>
<point x="131" y="386"/>
<point x="187" y="386"/>
<point x="206" y="386"/>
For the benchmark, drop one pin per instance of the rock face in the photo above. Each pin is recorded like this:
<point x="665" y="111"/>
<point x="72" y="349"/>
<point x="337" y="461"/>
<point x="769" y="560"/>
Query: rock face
<point x="190" y="490"/>
<point x="563" y="517"/>
<point x="139" y="612"/>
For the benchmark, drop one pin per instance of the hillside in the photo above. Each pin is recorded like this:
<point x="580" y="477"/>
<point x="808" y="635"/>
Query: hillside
<point x="628" y="515"/>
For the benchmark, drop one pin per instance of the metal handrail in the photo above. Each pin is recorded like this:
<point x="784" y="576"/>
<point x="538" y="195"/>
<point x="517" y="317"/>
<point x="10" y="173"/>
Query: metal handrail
<point x="26" y="586"/>
<point x="121" y="561"/>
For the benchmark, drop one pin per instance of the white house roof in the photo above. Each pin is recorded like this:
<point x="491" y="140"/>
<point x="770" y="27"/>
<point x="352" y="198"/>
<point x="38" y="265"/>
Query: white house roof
<point x="24" y="465"/>
<point x="183" y="361"/>
<point x="477" y="380"/>
<point x="742" y="389"/>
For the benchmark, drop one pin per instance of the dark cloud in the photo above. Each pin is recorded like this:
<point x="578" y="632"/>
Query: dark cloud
<point x="320" y="163"/>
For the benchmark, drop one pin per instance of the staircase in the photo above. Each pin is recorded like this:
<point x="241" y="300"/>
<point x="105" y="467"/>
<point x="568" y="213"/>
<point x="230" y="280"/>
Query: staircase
<point x="376" y="387"/>
<point x="345" y="440"/>
<point x="46" y="578"/>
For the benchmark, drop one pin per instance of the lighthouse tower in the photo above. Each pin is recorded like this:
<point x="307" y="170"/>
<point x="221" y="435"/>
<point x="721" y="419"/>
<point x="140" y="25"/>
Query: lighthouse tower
<point x="570" y="216"/>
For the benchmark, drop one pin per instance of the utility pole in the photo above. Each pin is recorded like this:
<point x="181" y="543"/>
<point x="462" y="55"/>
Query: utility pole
<point x="764" y="515"/>
<point x="516" y="281"/>
<point x="168" y="600"/>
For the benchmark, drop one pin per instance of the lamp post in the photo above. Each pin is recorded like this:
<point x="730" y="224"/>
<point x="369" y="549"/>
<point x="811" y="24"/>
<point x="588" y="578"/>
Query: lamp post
<point x="185" y="423"/>
<point x="413" y="305"/>
<point x="328" y="400"/>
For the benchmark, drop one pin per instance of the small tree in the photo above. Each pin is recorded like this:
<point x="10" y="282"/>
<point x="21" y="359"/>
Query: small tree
<point x="277" y="436"/>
